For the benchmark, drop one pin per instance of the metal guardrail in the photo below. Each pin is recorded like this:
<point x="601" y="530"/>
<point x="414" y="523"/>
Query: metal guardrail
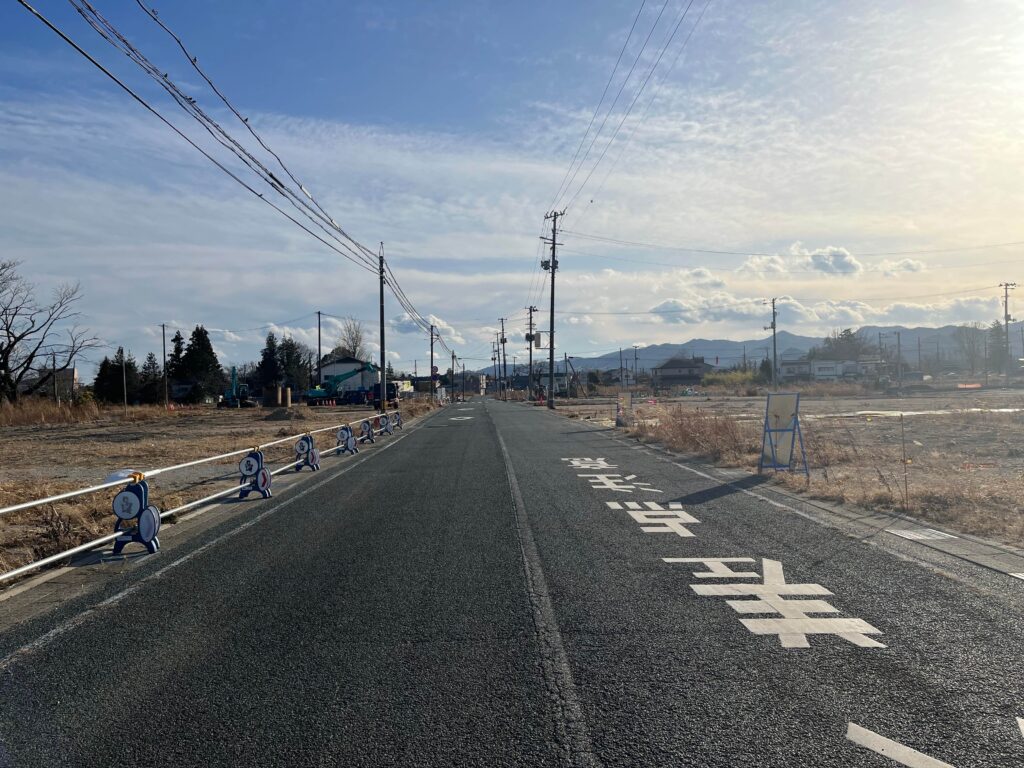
<point x="120" y="482"/>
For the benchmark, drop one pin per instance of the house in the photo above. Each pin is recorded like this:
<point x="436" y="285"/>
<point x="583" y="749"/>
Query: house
<point x="361" y="374"/>
<point x="680" y="371"/>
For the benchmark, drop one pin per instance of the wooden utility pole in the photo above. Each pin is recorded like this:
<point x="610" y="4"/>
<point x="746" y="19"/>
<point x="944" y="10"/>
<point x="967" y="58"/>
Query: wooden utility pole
<point x="163" y="333"/>
<point x="504" y="357"/>
<point x="319" y="353"/>
<point x="552" y="265"/>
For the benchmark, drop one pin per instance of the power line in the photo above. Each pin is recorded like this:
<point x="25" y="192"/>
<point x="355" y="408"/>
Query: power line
<point x="597" y="109"/>
<point x="629" y="109"/>
<point x="615" y="101"/>
<point x="106" y="30"/>
<point x="60" y="33"/>
<point x="647" y="109"/>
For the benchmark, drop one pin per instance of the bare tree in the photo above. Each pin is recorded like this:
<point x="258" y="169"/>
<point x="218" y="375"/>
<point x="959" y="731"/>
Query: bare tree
<point x="970" y="342"/>
<point x="36" y="339"/>
<point x="352" y="340"/>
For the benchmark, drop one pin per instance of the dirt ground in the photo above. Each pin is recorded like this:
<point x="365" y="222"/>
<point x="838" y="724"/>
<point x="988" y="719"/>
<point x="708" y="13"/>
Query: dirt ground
<point x="44" y="460"/>
<point x="964" y="450"/>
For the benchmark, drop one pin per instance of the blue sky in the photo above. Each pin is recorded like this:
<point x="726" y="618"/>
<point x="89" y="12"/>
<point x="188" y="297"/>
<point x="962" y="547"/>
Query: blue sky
<point x="802" y="137"/>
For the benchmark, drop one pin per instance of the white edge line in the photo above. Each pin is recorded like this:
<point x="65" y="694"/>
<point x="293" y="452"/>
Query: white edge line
<point x="892" y="749"/>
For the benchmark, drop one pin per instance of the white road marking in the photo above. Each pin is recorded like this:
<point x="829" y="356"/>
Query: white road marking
<point x="795" y="624"/>
<point x="656" y="518"/>
<point x="920" y="534"/>
<point x="569" y="717"/>
<point x="717" y="568"/>
<point x="1018" y="576"/>
<point x="459" y="418"/>
<point x="891" y="749"/>
<point x="1020" y="724"/>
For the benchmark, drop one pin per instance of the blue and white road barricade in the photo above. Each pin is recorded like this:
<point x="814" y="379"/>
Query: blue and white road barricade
<point x="385" y="425"/>
<point x="255" y="476"/>
<point x="397" y="420"/>
<point x="347" y="441"/>
<point x="367" y="429"/>
<point x="306" y="454"/>
<point x="131" y="506"/>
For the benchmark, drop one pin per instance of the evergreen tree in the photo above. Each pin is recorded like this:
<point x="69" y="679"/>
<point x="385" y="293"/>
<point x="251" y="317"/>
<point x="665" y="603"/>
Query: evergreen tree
<point x="117" y="377"/>
<point x="151" y="381"/>
<point x="295" y="360"/>
<point x="996" y="360"/>
<point x="175" y="361"/>
<point x="390" y="371"/>
<point x="201" y="367"/>
<point x="268" y="372"/>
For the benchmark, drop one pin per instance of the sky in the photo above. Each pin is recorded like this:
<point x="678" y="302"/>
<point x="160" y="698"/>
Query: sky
<point x="860" y="162"/>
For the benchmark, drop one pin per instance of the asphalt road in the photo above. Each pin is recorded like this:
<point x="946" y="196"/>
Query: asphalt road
<point x="469" y="597"/>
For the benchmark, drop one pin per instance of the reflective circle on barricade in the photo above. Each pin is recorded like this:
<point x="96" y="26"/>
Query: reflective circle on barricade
<point x="304" y="444"/>
<point x="149" y="524"/>
<point x="263" y="479"/>
<point x="249" y="466"/>
<point x="128" y="503"/>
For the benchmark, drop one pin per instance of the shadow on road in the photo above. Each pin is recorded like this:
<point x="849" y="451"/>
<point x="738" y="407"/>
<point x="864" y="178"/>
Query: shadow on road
<point x="724" y="488"/>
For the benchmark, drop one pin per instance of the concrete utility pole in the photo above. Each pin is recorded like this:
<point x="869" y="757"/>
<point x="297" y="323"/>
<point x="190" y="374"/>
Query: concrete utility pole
<point x="463" y="382"/>
<point x="431" y="363"/>
<point x="319" y="353"/>
<point x="1006" y="316"/>
<point x="552" y="264"/>
<point x="622" y="372"/>
<point x="383" y="361"/>
<point x="494" y="365"/>
<point x="529" y="345"/>
<point x="163" y="333"/>
<point x="504" y="354"/>
<point x="775" y="348"/>
<point x="636" y="379"/>
<point x="899" y="362"/>
<point x="452" y="382"/>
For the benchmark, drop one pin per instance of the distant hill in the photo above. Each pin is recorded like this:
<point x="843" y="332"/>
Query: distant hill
<point x="727" y="353"/>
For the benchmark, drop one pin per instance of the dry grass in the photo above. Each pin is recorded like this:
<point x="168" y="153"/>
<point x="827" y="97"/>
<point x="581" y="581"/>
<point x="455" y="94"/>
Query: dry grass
<point x="88" y="450"/>
<point x="964" y="470"/>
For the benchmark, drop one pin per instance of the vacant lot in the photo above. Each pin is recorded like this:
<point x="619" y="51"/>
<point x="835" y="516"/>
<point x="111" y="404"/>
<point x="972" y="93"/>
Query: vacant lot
<point x="964" y="451"/>
<point x="46" y="459"/>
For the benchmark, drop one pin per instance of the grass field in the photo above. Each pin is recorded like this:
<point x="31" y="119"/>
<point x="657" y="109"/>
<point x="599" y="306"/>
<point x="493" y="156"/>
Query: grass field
<point x="964" y="453"/>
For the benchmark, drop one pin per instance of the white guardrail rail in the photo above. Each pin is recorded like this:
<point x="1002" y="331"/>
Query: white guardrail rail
<point x="393" y="420"/>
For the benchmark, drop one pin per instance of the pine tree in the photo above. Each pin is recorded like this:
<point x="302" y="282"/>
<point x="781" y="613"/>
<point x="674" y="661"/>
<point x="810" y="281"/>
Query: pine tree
<point x="151" y="381"/>
<point x="295" y="360"/>
<point x="175" y="361"/>
<point x="268" y="372"/>
<point x="390" y="370"/>
<point x="117" y="378"/>
<point x="201" y="367"/>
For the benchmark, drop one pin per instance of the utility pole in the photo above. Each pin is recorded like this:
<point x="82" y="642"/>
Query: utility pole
<point x="775" y="349"/>
<point x="383" y="361"/>
<point x="636" y="379"/>
<point x="504" y="356"/>
<point x="452" y="382"/>
<point x="552" y="265"/>
<point x="124" y="380"/>
<point x="319" y="353"/>
<point x="529" y="345"/>
<point x="919" y="368"/>
<point x="744" y="357"/>
<point x="431" y="364"/>
<point x="899" y="362"/>
<point x="463" y="382"/>
<point x="622" y="373"/>
<point x="1006" y="316"/>
<point x="494" y="366"/>
<point x="163" y="333"/>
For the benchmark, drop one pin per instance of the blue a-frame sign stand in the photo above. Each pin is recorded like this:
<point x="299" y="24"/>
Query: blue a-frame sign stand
<point x="782" y="433"/>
